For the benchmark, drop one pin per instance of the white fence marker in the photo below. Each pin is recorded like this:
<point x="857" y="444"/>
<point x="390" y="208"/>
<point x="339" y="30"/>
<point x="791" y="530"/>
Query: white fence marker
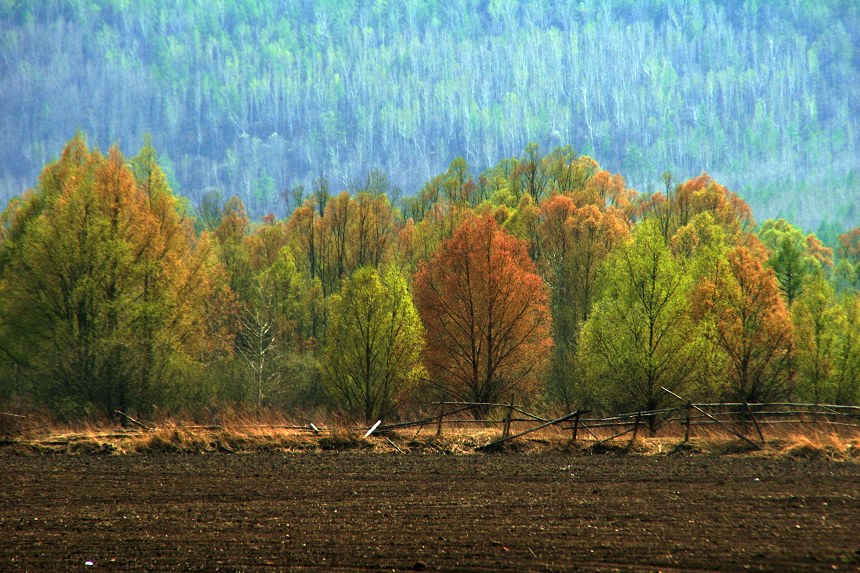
<point x="371" y="430"/>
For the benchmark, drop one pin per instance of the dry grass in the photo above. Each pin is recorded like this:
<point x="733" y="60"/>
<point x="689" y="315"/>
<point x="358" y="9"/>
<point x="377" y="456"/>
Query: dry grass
<point x="244" y="433"/>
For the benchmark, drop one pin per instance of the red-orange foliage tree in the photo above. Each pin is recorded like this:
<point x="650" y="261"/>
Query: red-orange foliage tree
<point x="849" y="246"/>
<point x="698" y="195"/>
<point x="486" y="313"/>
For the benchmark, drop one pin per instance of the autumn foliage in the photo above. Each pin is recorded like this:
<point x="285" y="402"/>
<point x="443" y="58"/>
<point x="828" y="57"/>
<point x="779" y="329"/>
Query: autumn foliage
<point x="485" y="310"/>
<point x="751" y="325"/>
<point x="106" y="291"/>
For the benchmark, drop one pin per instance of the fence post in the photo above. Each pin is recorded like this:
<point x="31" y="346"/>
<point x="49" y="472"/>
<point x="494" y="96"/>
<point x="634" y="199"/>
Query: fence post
<point x="687" y="423"/>
<point x="635" y="429"/>
<point x="506" y="431"/>
<point x="755" y="422"/>
<point x="439" y="421"/>
<point x="729" y="428"/>
<point x="575" y="425"/>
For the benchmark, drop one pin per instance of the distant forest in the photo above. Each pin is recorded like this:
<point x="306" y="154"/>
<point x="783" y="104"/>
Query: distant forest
<point x="254" y="98"/>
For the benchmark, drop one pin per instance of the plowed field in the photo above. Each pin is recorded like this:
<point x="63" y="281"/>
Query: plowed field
<point x="365" y="511"/>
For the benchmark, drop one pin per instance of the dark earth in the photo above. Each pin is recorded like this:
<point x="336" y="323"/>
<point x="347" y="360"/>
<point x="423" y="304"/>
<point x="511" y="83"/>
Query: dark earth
<point x="361" y="511"/>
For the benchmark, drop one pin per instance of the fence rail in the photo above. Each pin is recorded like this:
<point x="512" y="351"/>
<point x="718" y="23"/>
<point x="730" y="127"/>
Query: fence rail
<point x="747" y="421"/>
<point x="738" y="418"/>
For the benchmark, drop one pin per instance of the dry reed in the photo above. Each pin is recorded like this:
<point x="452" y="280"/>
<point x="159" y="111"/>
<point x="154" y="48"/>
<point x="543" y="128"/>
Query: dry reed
<point x="240" y="432"/>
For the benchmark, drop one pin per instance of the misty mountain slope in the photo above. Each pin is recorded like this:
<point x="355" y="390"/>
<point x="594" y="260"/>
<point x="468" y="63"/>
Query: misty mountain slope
<point x="253" y="97"/>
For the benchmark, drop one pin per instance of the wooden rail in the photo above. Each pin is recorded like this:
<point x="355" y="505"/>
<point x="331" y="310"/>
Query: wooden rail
<point x="746" y="421"/>
<point x="736" y="418"/>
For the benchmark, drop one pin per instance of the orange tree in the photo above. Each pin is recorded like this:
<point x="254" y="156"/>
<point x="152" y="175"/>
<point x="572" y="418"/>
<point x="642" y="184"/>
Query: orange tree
<point x="575" y="241"/>
<point x="751" y="324"/>
<point x="486" y="314"/>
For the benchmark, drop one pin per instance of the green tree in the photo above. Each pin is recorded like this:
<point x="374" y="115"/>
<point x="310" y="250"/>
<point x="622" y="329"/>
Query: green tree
<point x="790" y="257"/>
<point x="210" y="210"/>
<point x="817" y="327"/>
<point x="230" y="236"/>
<point x="372" y="356"/>
<point x="845" y="277"/>
<point x="640" y="335"/>
<point x="846" y="375"/>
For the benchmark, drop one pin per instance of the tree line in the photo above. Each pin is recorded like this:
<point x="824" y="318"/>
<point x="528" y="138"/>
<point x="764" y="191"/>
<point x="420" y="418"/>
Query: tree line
<point x="544" y="279"/>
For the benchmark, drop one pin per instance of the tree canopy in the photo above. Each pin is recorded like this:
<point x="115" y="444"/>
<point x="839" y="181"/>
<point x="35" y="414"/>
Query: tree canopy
<point x="105" y="288"/>
<point x="485" y="309"/>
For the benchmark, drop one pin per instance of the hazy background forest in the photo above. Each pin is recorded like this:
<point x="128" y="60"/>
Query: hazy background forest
<point x="253" y="97"/>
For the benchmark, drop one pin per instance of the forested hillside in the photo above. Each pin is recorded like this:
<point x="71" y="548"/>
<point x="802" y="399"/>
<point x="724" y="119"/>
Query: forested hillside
<point x="253" y="97"/>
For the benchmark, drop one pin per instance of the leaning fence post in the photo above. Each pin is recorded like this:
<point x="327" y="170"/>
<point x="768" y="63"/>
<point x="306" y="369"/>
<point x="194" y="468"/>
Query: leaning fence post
<point x="439" y="421"/>
<point x="755" y="422"/>
<point x="529" y="431"/>
<point x="132" y="420"/>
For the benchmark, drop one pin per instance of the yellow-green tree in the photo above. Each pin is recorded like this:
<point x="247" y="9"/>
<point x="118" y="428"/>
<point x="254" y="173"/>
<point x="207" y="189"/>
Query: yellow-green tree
<point x="232" y="250"/>
<point x="640" y="335"/>
<point x="372" y="355"/>
<point x="846" y="374"/>
<point x="817" y="328"/>
<point x="104" y="289"/>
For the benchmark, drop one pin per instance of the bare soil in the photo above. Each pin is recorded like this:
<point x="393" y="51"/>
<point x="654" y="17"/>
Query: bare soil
<point x="368" y="511"/>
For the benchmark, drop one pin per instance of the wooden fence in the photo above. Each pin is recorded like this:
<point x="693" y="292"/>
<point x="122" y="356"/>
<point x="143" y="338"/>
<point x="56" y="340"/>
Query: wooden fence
<point x="740" y="419"/>
<point x="748" y="422"/>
